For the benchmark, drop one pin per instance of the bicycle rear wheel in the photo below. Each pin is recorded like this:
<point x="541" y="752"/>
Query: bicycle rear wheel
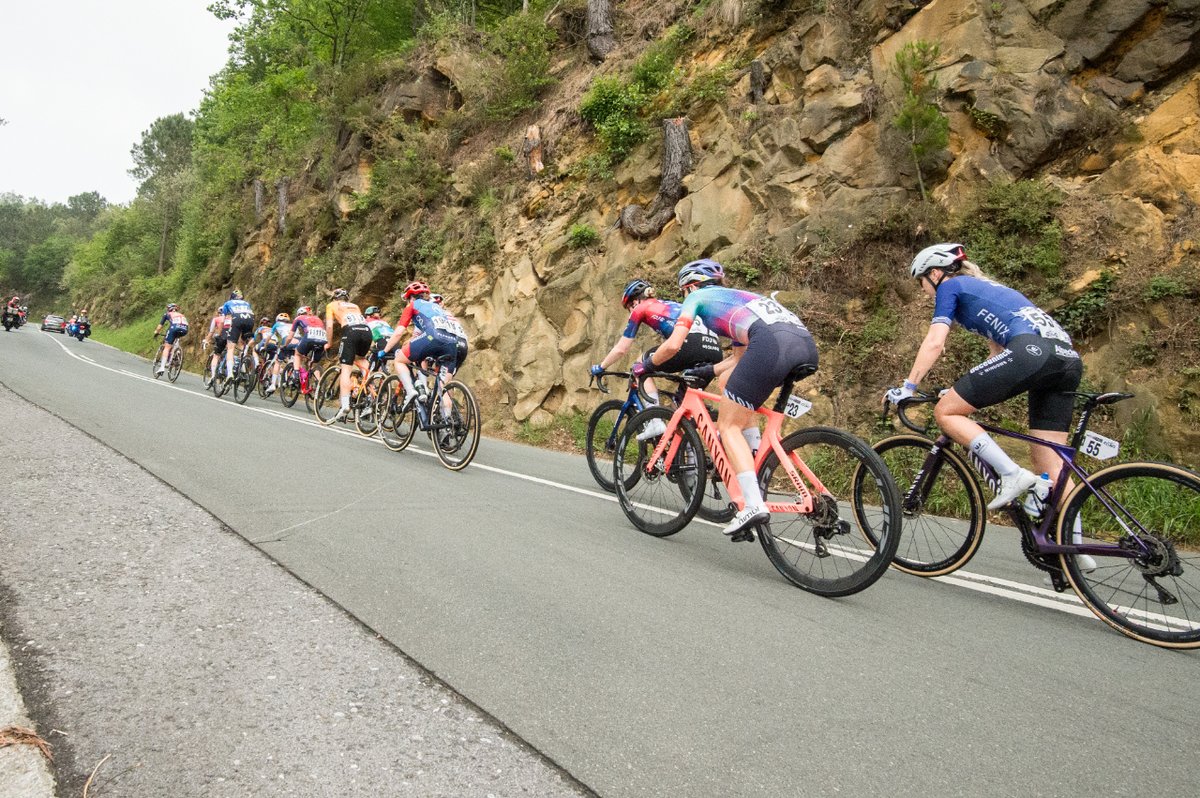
<point x="314" y="380"/>
<point x="456" y="426"/>
<point x="1153" y="596"/>
<point x="397" y="423"/>
<point x="157" y="359"/>
<point x="327" y="399"/>
<point x="175" y="364"/>
<point x="943" y="515"/>
<point x="661" y="496"/>
<point x="243" y="381"/>
<point x="833" y="550"/>
<point x="289" y="385"/>
<point x="604" y="427"/>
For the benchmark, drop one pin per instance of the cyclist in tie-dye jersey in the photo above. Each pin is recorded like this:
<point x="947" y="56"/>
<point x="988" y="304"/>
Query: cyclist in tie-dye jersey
<point x="700" y="347"/>
<point x="769" y="341"/>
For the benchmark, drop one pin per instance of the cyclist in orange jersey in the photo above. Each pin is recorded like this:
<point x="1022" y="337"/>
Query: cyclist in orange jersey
<point x="354" y="347"/>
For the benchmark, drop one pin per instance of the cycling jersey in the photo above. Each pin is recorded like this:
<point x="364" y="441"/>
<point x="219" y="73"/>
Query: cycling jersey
<point x="174" y="319"/>
<point x="380" y="330"/>
<point x="309" y="328"/>
<point x="280" y="331"/>
<point x="992" y="310"/>
<point x="730" y="312"/>
<point x="344" y="313"/>
<point x="431" y="318"/>
<point x="237" y="308"/>
<point x="657" y="314"/>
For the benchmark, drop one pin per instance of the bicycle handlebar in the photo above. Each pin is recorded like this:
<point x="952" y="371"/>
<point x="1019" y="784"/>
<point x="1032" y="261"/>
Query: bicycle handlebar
<point x="598" y="379"/>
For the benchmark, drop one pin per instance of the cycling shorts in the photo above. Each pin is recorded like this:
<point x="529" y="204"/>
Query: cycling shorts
<point x="241" y="327"/>
<point x="175" y="333"/>
<point x="462" y="348"/>
<point x="268" y="348"/>
<point x="439" y="346"/>
<point x="356" y="343"/>
<point x="309" y="347"/>
<point x="700" y="348"/>
<point x="1042" y="366"/>
<point x="219" y="345"/>
<point x="772" y="351"/>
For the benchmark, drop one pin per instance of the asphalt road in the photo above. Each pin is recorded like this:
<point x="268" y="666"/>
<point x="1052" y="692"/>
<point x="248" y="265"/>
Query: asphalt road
<point x="647" y="667"/>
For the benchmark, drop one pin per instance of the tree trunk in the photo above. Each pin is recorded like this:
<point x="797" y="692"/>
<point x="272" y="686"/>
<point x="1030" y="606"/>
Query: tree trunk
<point x="758" y="81"/>
<point x="532" y="150"/>
<point x="281" y="205"/>
<point x="260" y="192"/>
<point x="646" y="223"/>
<point x="599" y="29"/>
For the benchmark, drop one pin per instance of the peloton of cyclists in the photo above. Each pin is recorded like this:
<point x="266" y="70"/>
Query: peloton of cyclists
<point x="177" y="327"/>
<point x="700" y="347"/>
<point x="769" y="341"/>
<point x="1029" y="353"/>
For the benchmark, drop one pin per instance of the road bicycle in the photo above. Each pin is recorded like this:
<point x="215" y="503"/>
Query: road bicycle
<point x="444" y="408"/>
<point x="245" y="375"/>
<point x="293" y="384"/>
<point x="1139" y="521"/>
<point x="174" y="363"/>
<point x="262" y="374"/>
<point x="812" y="537"/>
<point x="604" y="428"/>
<point x="362" y="396"/>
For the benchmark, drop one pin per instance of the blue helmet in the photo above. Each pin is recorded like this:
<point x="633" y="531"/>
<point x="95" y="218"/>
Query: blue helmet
<point x="701" y="272"/>
<point x="634" y="291"/>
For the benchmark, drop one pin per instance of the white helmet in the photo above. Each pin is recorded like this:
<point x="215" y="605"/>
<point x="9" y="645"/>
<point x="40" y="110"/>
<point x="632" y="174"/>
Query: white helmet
<point x="947" y="257"/>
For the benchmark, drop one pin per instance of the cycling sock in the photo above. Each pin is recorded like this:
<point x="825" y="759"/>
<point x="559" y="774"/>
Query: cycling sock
<point x="1077" y="530"/>
<point x="990" y="452"/>
<point x="407" y="380"/>
<point x="750" y="492"/>
<point x="346" y="403"/>
<point x="753" y="437"/>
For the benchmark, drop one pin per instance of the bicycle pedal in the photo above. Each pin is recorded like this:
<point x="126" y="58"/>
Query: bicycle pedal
<point x="746" y="535"/>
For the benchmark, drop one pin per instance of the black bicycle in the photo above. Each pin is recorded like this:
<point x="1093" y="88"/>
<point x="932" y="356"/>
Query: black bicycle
<point x="443" y="408"/>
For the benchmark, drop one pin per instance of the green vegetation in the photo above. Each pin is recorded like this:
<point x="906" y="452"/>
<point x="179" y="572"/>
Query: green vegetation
<point x="920" y="120"/>
<point x="1012" y="231"/>
<point x="1090" y="310"/>
<point x="582" y="235"/>
<point x="136" y="335"/>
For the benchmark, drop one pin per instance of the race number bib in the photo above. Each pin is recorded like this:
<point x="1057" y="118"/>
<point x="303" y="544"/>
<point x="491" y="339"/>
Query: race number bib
<point x="449" y="325"/>
<point x="771" y="312"/>
<point x="1045" y="326"/>
<point x="796" y="407"/>
<point x="316" y="334"/>
<point x="354" y="318"/>
<point x="1099" y="447"/>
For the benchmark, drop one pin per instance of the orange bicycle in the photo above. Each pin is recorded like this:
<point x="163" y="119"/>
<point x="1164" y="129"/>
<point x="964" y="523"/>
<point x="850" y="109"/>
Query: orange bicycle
<point x="813" y="537"/>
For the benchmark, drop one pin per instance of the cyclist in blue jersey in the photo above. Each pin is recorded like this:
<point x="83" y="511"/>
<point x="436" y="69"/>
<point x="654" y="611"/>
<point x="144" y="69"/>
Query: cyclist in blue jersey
<point x="700" y="347"/>
<point x="279" y="336"/>
<point x="241" y="326"/>
<point x="769" y="342"/>
<point x="263" y="343"/>
<point x="436" y="333"/>
<point x="1029" y="352"/>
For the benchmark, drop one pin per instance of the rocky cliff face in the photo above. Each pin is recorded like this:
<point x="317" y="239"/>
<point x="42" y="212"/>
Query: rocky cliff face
<point x="1100" y="98"/>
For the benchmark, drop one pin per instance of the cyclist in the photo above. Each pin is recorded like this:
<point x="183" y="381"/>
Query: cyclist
<point x="700" y="347"/>
<point x="1029" y="352"/>
<point x="279" y="334"/>
<point x="218" y="334"/>
<point x="354" y="346"/>
<point x="437" y="333"/>
<point x="308" y="333"/>
<point x="177" y="327"/>
<point x="381" y="331"/>
<point x="263" y="343"/>
<point x="14" y="304"/>
<point x="241" y="326"/>
<point x="769" y="341"/>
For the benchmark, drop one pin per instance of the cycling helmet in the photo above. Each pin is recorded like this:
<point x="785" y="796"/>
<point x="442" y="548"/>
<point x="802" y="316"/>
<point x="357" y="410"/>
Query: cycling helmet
<point x="264" y="320"/>
<point x="340" y="293"/>
<point x="701" y="272"/>
<point x="438" y="298"/>
<point x="283" y="317"/>
<point x="172" y="306"/>
<point x="371" y="311"/>
<point x="415" y="289"/>
<point x="634" y="292"/>
<point x="947" y="257"/>
<point x="235" y="294"/>
<point x="303" y="310"/>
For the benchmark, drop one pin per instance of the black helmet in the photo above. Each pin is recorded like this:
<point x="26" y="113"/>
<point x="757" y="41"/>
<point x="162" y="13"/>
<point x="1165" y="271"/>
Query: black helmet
<point x="634" y="291"/>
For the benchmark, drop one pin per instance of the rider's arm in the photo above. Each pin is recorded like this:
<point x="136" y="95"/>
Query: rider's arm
<point x="619" y="350"/>
<point x="668" y="348"/>
<point x="930" y="351"/>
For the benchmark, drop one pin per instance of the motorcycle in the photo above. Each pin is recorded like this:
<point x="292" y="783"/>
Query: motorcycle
<point x="11" y="318"/>
<point x="83" y="329"/>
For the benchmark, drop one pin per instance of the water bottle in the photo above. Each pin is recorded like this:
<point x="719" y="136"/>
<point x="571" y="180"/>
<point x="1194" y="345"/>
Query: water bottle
<point x="1035" y="499"/>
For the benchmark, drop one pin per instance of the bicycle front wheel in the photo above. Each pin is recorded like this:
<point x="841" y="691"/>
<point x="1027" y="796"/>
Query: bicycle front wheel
<point x="243" y="382"/>
<point x="456" y="426"/>
<point x="289" y="385"/>
<point x="604" y="427"/>
<point x="175" y="364"/>
<point x="397" y="424"/>
<point x="1149" y="589"/>
<point x="943" y="513"/>
<point x="327" y="399"/>
<point x="157" y="359"/>
<point x="832" y="550"/>
<point x="659" y="496"/>
<point x="366" y="420"/>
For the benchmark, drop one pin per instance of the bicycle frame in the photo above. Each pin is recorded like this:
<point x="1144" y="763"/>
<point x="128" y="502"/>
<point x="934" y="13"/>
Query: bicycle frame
<point x="693" y="407"/>
<point x="633" y="405"/>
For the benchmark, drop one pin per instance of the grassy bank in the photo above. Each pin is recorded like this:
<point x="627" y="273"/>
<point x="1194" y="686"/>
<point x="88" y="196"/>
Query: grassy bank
<point x="135" y="337"/>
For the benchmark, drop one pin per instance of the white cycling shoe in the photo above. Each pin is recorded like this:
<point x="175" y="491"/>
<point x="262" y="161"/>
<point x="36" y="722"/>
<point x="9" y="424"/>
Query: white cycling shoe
<point x="746" y="518"/>
<point x="1012" y="488"/>
<point x="654" y="427"/>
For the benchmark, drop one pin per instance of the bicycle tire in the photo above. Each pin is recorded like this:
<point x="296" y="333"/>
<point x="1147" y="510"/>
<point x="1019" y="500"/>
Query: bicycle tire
<point x="935" y="537"/>
<point x="659" y="501"/>
<point x="1165" y="500"/>
<point x="397" y="424"/>
<point x="175" y="364"/>
<point x="604" y="427"/>
<point x="314" y="380"/>
<point x="823" y="552"/>
<point x="157" y="358"/>
<point x="366" y="421"/>
<point x="456" y="428"/>
<point x="326" y="401"/>
<point x="289" y="385"/>
<point x="716" y="505"/>
<point x="243" y="381"/>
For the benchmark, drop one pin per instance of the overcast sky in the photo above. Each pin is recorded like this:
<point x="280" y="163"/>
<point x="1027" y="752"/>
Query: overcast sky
<point x="81" y="79"/>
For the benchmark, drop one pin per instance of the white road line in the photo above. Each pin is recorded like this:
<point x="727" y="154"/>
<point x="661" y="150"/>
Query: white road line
<point x="992" y="585"/>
